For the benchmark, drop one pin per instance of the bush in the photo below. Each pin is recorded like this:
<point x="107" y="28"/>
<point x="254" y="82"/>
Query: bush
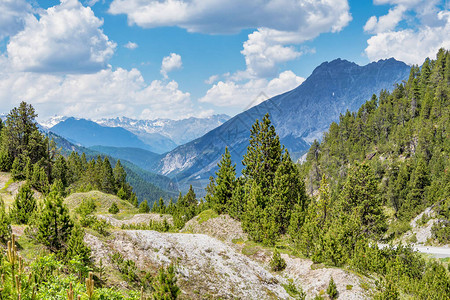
<point x="277" y="263"/>
<point x="332" y="289"/>
<point x="113" y="209"/>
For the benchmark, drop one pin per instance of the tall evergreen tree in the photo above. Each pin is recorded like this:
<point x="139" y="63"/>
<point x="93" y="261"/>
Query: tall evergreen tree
<point x="223" y="185"/>
<point x="24" y="205"/>
<point x="54" y="224"/>
<point x="5" y="224"/>
<point x="107" y="180"/>
<point x="263" y="155"/>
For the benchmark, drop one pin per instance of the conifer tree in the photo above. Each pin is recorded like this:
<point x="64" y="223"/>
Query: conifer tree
<point x="224" y="184"/>
<point x="107" y="180"/>
<point x="59" y="170"/>
<point x="360" y="198"/>
<point x="24" y="205"/>
<point x="165" y="284"/>
<point x="5" y="224"/>
<point x="54" y="224"/>
<point x="143" y="207"/>
<point x="288" y="190"/>
<point x="263" y="155"/>
<point x="120" y="175"/>
<point x="76" y="245"/>
<point x="113" y="209"/>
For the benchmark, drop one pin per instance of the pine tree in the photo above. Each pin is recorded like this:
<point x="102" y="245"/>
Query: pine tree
<point x="54" y="224"/>
<point x="263" y="155"/>
<point x="332" y="289"/>
<point x="59" y="170"/>
<point x="24" y="205"/>
<point x="120" y="175"/>
<point x="161" y="206"/>
<point x="165" y="284"/>
<point x="107" y="177"/>
<point x="143" y="207"/>
<point x="288" y="190"/>
<point x="224" y="184"/>
<point x="359" y="197"/>
<point x="5" y="224"/>
<point x="113" y="209"/>
<point x="277" y="263"/>
<point x="76" y="245"/>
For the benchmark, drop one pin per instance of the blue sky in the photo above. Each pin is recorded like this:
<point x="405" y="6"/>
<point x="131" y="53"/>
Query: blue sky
<point x="181" y="58"/>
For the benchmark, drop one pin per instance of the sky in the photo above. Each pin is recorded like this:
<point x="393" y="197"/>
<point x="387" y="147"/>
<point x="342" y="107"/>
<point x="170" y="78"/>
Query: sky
<point x="149" y="59"/>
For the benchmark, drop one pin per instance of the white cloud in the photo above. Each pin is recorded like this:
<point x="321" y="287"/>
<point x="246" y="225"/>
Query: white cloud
<point x="170" y="63"/>
<point x="387" y="22"/>
<point x="413" y="44"/>
<point x="107" y="93"/>
<point x="280" y="24"/>
<point x="244" y="95"/>
<point x="212" y="79"/>
<point x="131" y="45"/>
<point x="218" y="16"/>
<point x="13" y="16"/>
<point x="66" y="38"/>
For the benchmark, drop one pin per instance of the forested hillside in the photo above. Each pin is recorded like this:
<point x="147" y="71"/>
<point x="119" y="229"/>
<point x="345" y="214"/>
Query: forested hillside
<point x="403" y="138"/>
<point x="391" y="155"/>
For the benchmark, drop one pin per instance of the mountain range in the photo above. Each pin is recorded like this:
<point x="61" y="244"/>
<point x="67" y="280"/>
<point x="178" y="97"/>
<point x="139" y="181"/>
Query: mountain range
<point x="158" y="136"/>
<point x="300" y="116"/>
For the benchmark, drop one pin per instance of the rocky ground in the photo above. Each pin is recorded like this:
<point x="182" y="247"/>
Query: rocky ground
<point x="211" y="264"/>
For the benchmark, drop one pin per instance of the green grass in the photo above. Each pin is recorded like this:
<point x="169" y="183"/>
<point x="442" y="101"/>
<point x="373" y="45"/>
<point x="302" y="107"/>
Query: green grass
<point x="102" y="201"/>
<point x="206" y="215"/>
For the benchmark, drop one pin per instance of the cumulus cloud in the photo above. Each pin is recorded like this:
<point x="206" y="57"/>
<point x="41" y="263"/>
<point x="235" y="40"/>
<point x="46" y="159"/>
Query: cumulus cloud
<point x="131" y="45"/>
<point x="217" y="16"/>
<point x="170" y="63"/>
<point x="411" y="45"/>
<point x="66" y="38"/>
<point x="244" y="95"/>
<point x="13" y="16"/>
<point x="280" y="24"/>
<point x="107" y="93"/>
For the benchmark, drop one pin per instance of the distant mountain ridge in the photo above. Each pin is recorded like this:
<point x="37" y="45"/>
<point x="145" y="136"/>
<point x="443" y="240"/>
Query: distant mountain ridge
<point x="88" y="133"/>
<point x="159" y="136"/>
<point x="179" y="131"/>
<point x="300" y="116"/>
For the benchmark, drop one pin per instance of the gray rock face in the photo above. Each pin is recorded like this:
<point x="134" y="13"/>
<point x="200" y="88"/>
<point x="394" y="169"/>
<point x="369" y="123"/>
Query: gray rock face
<point x="299" y="116"/>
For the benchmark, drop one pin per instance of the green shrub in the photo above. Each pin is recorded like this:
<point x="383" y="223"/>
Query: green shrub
<point x="332" y="289"/>
<point x="277" y="263"/>
<point x="113" y="209"/>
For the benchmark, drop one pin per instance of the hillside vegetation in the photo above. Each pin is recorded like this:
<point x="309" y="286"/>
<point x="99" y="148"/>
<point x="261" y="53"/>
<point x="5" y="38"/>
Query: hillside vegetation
<point x="279" y="231"/>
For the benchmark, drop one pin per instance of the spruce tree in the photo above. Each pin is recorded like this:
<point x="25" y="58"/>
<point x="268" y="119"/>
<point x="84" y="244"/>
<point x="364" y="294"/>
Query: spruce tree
<point x="76" y="245"/>
<point x="5" y="224"/>
<point x="113" y="209"/>
<point x="24" y="205"/>
<point x="54" y="224"/>
<point x="59" y="170"/>
<point x="107" y="177"/>
<point x="165" y="284"/>
<point x="120" y="175"/>
<point x="225" y="182"/>
<point x="288" y="190"/>
<point x="359" y="197"/>
<point x="263" y="155"/>
<point x="143" y="207"/>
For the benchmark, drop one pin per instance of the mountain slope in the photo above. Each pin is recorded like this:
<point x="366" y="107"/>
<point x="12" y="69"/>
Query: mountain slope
<point x="88" y="133"/>
<point x="142" y="158"/>
<point x="178" y="131"/>
<point x="300" y="116"/>
<point x="146" y="185"/>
